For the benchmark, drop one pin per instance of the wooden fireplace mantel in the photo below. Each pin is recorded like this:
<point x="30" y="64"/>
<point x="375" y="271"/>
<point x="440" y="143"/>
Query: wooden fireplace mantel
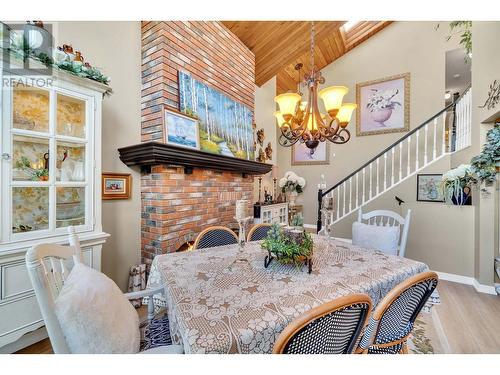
<point x="148" y="154"/>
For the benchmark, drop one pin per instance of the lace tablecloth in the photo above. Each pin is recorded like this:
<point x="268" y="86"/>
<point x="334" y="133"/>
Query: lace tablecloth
<point x="223" y="300"/>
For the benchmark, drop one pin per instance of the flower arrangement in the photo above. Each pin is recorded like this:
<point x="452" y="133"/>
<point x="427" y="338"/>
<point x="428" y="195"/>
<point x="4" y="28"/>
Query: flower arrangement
<point x="454" y="183"/>
<point x="287" y="248"/>
<point x="382" y="99"/>
<point x="485" y="164"/>
<point x="292" y="183"/>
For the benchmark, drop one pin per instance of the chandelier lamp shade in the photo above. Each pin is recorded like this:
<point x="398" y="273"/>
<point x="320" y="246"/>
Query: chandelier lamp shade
<point x="302" y="121"/>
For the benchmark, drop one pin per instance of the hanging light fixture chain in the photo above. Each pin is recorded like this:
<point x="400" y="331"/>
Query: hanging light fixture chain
<point x="312" y="45"/>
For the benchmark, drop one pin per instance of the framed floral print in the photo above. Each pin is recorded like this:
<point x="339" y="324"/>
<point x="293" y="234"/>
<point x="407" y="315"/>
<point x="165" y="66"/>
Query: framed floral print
<point x="116" y="185"/>
<point x="302" y="155"/>
<point x="383" y="105"/>
<point x="427" y="188"/>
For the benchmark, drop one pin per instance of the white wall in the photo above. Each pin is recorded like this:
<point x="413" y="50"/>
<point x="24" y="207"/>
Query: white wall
<point x="264" y="119"/>
<point x="115" y="47"/>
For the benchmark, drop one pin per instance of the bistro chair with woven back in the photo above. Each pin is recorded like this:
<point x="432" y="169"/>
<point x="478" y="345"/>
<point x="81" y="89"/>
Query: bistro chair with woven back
<point x="394" y="317"/>
<point x="258" y="232"/>
<point x="215" y="236"/>
<point x="331" y="328"/>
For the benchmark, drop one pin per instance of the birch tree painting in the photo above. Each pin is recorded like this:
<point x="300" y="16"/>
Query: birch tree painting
<point x="225" y="125"/>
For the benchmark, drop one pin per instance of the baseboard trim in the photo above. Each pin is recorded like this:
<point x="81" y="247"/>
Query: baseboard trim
<point x="467" y="280"/>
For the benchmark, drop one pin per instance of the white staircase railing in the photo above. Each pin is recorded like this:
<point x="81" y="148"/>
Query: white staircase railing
<point x="463" y="121"/>
<point x="401" y="160"/>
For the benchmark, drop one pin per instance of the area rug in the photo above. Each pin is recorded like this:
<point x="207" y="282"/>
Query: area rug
<point x="428" y="336"/>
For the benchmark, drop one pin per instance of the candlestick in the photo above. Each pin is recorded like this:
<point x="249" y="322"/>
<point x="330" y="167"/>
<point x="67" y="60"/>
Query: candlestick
<point x="241" y="209"/>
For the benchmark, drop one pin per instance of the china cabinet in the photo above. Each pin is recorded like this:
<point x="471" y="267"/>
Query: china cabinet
<point x="273" y="213"/>
<point x="50" y="171"/>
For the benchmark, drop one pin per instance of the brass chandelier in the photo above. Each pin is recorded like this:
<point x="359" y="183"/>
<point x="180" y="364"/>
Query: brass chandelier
<point x="303" y="122"/>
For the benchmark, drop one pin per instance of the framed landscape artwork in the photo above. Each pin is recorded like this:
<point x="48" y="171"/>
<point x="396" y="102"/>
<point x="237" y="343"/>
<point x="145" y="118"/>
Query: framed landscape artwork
<point x="383" y="105"/>
<point x="225" y="126"/>
<point x="301" y="155"/>
<point x="181" y="130"/>
<point x="116" y="185"/>
<point x="427" y="188"/>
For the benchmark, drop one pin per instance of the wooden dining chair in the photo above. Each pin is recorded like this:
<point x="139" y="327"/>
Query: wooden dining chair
<point x="394" y="317"/>
<point x="50" y="266"/>
<point x="258" y="232"/>
<point x="215" y="236"/>
<point x="385" y="218"/>
<point x="331" y="328"/>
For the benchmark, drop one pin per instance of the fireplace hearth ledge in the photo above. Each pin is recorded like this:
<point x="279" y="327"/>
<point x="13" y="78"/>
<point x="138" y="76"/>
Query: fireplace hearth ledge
<point x="148" y="154"/>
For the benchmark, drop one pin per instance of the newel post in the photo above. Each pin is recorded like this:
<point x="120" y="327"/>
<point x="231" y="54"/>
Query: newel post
<point x="320" y="202"/>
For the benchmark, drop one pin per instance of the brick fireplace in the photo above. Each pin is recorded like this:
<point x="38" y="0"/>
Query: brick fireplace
<point x="177" y="203"/>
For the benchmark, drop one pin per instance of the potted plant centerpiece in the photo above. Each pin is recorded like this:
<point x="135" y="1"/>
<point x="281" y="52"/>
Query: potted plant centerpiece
<point x="292" y="185"/>
<point x="288" y="246"/>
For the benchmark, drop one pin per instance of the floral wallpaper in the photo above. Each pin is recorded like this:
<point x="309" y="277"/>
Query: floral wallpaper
<point x="28" y="150"/>
<point x="70" y="206"/>
<point x="70" y="116"/>
<point x="30" y="208"/>
<point x="31" y="109"/>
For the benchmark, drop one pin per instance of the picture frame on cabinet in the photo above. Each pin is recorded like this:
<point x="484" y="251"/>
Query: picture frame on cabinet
<point x="116" y="185"/>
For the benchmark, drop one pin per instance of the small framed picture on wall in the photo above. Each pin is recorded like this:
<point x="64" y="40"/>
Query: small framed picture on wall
<point x="427" y="188"/>
<point x="302" y="155"/>
<point x="116" y="185"/>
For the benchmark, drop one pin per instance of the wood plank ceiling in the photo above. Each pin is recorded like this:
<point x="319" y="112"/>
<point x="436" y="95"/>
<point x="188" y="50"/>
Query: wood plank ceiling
<point x="279" y="45"/>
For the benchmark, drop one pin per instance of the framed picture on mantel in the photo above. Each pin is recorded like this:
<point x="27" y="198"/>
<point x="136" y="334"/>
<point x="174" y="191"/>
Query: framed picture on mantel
<point x="181" y="130"/>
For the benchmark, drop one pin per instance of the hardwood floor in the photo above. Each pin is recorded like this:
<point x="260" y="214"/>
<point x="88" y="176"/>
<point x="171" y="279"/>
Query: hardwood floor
<point x="466" y="322"/>
<point x="470" y="320"/>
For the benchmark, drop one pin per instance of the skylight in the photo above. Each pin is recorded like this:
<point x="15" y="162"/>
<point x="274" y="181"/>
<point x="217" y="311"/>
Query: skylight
<point x="349" y="25"/>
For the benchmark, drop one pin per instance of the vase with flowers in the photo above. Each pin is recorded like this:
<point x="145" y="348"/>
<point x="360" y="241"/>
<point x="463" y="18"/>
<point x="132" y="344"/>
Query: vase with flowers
<point x="292" y="185"/>
<point x="456" y="185"/>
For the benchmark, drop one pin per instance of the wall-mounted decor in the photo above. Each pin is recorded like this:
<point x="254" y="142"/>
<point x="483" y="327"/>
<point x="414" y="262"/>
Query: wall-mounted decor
<point x="493" y="96"/>
<point x="428" y="188"/>
<point x="260" y="136"/>
<point x="383" y="105"/>
<point x="302" y="155"/>
<point x="181" y="130"/>
<point x="225" y="125"/>
<point x="116" y="185"/>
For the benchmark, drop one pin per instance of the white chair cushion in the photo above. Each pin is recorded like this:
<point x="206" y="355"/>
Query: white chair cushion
<point x="94" y="315"/>
<point x="376" y="237"/>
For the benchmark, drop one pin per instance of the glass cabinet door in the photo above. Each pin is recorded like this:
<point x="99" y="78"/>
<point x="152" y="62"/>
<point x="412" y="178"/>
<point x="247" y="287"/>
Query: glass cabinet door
<point x="49" y="160"/>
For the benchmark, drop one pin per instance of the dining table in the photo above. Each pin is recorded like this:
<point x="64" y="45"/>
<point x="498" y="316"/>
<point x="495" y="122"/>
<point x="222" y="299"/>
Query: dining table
<point x="224" y="300"/>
